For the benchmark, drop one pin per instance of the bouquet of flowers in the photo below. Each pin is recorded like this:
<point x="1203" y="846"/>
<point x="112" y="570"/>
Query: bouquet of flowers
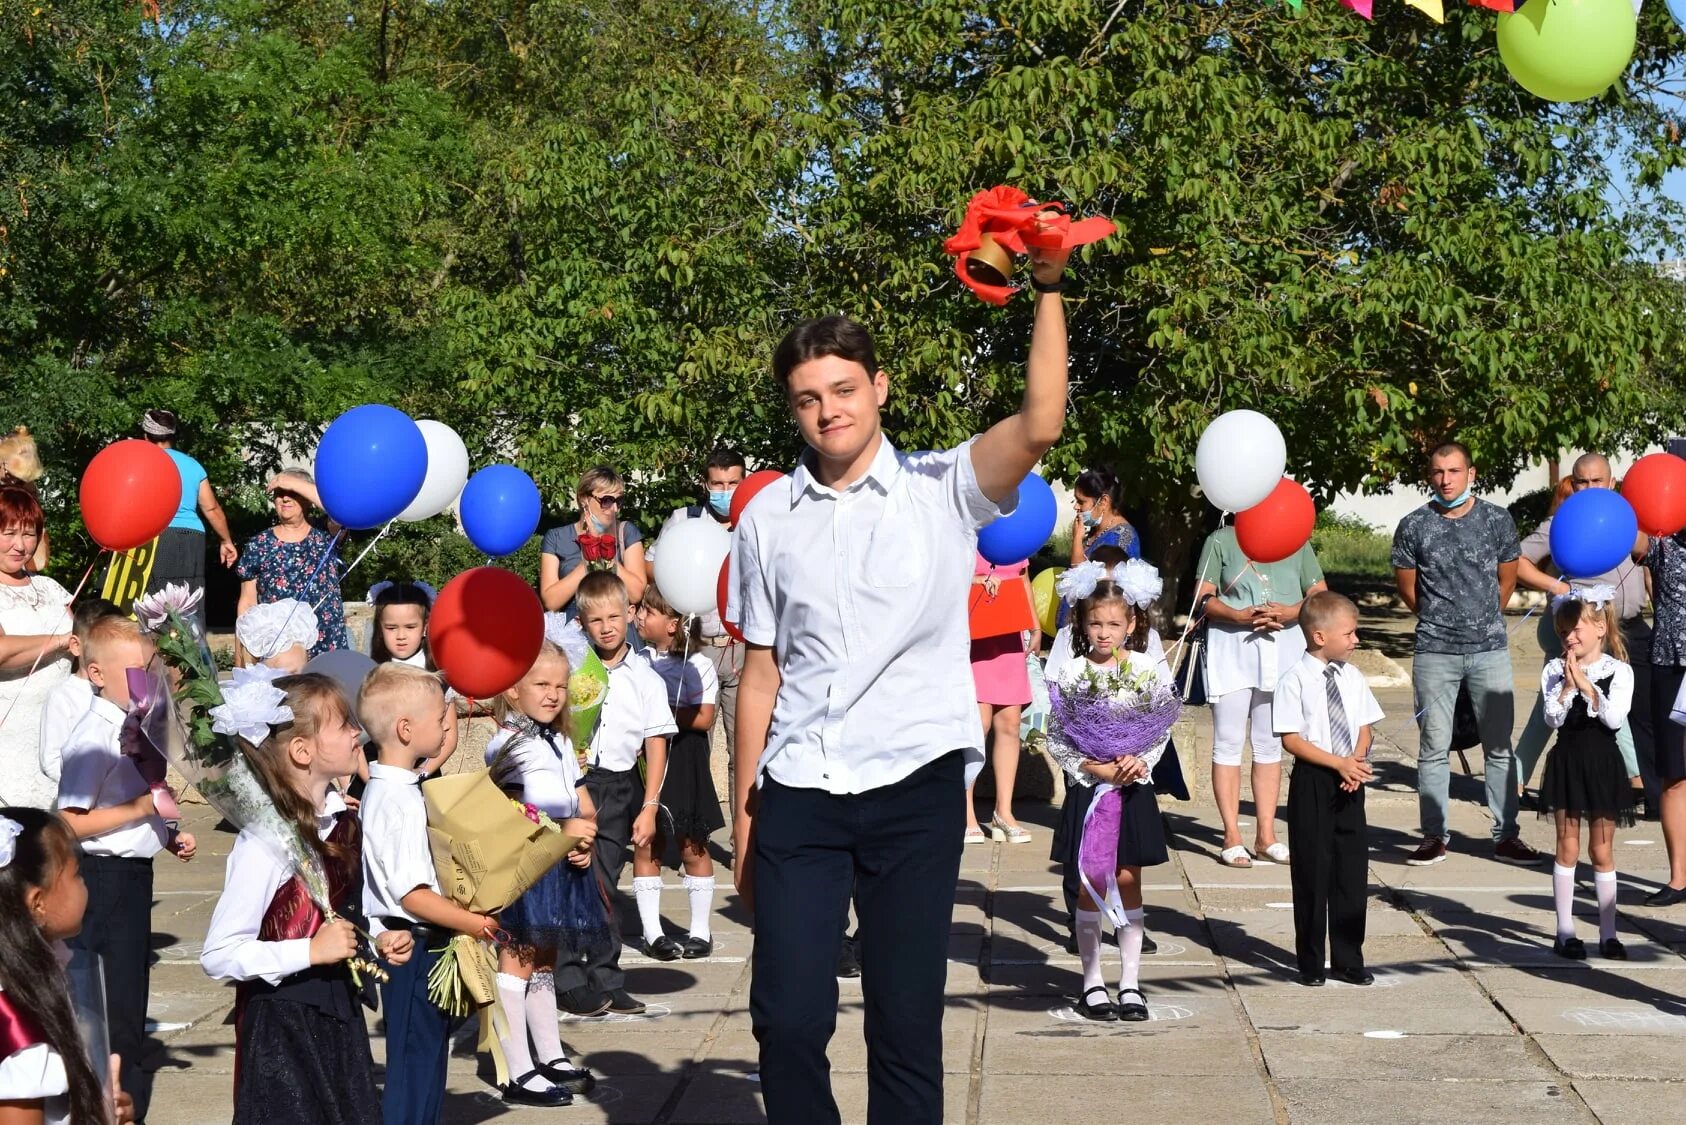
<point x="1105" y="714"/>
<point x="191" y="720"/>
<point x="588" y="679"/>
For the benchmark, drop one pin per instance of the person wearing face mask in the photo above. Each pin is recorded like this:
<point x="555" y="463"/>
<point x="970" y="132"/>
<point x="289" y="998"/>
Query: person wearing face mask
<point x="1455" y="563"/>
<point x="722" y="473"/>
<point x="1098" y="498"/>
<point x="599" y="540"/>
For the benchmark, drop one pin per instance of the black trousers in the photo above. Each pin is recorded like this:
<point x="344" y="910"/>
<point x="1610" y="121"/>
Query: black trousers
<point x="1329" y="869"/>
<point x="118" y="929"/>
<point x="617" y="795"/>
<point x="898" y="847"/>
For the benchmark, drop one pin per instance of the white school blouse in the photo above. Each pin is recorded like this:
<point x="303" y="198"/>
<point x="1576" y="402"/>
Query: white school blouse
<point x="691" y="681"/>
<point x="96" y="775"/>
<point x="66" y="704"/>
<point x="1301" y="705"/>
<point x="396" y="858"/>
<point x="549" y="777"/>
<point x="861" y="594"/>
<point x="37" y="1071"/>
<point x="635" y="709"/>
<point x="1611" y="710"/>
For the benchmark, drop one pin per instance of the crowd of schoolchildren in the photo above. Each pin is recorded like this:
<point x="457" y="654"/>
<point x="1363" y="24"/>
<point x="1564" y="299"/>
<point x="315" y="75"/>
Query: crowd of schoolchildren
<point x="643" y="782"/>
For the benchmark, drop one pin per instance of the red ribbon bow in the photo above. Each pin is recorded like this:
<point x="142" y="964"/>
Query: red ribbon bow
<point x="1016" y="221"/>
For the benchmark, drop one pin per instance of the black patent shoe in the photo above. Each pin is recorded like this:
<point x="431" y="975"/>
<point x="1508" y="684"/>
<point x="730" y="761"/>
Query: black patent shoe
<point x="1611" y="949"/>
<point x="695" y="947"/>
<point x="562" y="1074"/>
<point x="1571" y="948"/>
<point x="1668" y="896"/>
<point x="516" y="1093"/>
<point x="1149" y="946"/>
<point x="1360" y="977"/>
<point x="1133" y="1011"/>
<point x="663" y="948"/>
<point x="1103" y="1012"/>
<point x="1313" y="980"/>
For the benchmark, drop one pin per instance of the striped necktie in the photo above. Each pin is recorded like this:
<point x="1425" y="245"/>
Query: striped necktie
<point x="1340" y="732"/>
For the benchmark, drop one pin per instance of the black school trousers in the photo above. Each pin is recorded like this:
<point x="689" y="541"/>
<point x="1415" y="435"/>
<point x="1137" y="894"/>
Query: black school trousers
<point x="898" y="848"/>
<point x="1329" y="869"/>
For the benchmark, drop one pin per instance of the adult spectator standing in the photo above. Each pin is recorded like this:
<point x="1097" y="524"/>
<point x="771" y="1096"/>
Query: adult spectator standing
<point x="855" y="716"/>
<point x="35" y="624"/>
<point x="1455" y="562"/>
<point x="722" y="473"/>
<point x="1592" y="470"/>
<point x="1252" y="641"/>
<point x="613" y="544"/>
<point x="286" y="561"/>
<point x="1097" y="496"/>
<point x="1666" y="559"/>
<point x="178" y="555"/>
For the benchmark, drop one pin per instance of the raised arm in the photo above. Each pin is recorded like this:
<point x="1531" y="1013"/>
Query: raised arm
<point x="1011" y="447"/>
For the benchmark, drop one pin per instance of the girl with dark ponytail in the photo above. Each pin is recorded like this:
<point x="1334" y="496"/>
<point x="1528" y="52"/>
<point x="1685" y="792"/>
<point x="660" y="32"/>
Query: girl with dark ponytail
<point x="43" y="1064"/>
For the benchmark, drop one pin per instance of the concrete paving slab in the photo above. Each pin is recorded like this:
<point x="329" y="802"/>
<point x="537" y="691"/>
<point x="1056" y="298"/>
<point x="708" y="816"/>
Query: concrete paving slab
<point x="1388" y="1054"/>
<point x="1647" y="1058"/>
<point x="1420" y="1102"/>
<point x="1601" y="1016"/>
<point x="1008" y="1099"/>
<point x="1634" y="1103"/>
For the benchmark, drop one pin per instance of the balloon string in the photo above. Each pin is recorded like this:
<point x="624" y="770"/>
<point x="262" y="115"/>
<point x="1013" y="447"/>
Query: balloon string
<point x="308" y="582"/>
<point x="39" y="656"/>
<point x="358" y="559"/>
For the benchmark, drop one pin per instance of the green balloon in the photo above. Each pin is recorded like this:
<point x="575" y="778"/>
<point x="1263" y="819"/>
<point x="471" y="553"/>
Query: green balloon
<point x="1567" y="50"/>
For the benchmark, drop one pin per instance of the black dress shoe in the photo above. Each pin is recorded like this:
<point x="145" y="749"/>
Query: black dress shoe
<point x="695" y="947"/>
<point x="1149" y="946"/>
<point x="517" y="1093"/>
<point x="583" y="1001"/>
<point x="849" y="959"/>
<point x="1313" y="980"/>
<point x="1668" y="896"/>
<point x="1571" y="948"/>
<point x="1611" y="949"/>
<point x="1359" y="977"/>
<point x="575" y="1080"/>
<point x="663" y="948"/>
<point x="1132" y="1011"/>
<point x="621" y="1004"/>
<point x="1102" y="1012"/>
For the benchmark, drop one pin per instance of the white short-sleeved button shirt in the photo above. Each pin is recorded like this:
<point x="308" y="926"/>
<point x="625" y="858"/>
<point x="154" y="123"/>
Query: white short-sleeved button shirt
<point x="861" y="594"/>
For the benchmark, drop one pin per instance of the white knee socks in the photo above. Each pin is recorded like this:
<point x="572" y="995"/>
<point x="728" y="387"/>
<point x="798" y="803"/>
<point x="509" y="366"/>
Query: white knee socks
<point x="1130" y="949"/>
<point x="700" y="890"/>
<point x="1089" y="946"/>
<point x="542" y="1019"/>
<point x="1604" y="882"/>
<point x="1563" y="896"/>
<point x="647" y="890"/>
<point x="512" y="994"/>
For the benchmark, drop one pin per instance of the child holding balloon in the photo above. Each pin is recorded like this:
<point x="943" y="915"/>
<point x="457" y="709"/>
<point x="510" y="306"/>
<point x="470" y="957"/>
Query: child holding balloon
<point x="675" y="652"/>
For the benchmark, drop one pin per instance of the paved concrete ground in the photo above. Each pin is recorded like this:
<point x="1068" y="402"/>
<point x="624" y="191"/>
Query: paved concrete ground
<point x="1471" y="1017"/>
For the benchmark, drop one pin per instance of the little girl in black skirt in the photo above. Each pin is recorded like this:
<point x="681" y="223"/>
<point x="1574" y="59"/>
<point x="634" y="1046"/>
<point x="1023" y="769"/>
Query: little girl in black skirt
<point x="688" y="796"/>
<point x="1586" y="694"/>
<point x="1105" y="620"/>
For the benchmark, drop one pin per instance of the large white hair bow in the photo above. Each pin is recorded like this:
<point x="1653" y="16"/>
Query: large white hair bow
<point x="1080" y="581"/>
<point x="274" y="627"/>
<point x="1597" y="596"/>
<point x="251" y="704"/>
<point x="1139" y="582"/>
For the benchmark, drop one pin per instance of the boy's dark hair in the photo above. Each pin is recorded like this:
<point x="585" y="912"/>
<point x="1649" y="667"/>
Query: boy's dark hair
<point x="822" y="336"/>
<point x="90" y="612"/>
<point x="1323" y="609"/>
<point x="1446" y="448"/>
<point x="601" y="586"/>
<point x="1109" y="555"/>
<point x="723" y="458"/>
<point x="29" y="969"/>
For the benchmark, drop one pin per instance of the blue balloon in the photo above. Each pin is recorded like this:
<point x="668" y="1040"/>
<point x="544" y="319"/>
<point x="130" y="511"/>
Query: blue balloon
<point x="1592" y="533"/>
<point x="1014" y="538"/>
<point x="370" y="465"/>
<point x="500" y="509"/>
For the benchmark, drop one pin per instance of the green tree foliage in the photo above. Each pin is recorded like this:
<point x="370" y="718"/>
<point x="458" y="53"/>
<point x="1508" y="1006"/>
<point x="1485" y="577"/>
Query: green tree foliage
<point x="575" y="230"/>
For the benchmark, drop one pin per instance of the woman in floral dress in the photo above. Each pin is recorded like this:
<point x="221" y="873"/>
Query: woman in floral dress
<point x="286" y="561"/>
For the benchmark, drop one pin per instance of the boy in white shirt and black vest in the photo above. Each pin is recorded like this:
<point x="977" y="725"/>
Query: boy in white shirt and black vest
<point x="403" y="709"/>
<point x="635" y="720"/>
<point x="1324" y="711"/>
<point x="108" y="804"/>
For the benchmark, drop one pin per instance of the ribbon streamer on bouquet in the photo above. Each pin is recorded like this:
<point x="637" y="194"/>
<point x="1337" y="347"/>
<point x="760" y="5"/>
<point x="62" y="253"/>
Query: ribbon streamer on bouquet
<point x="1110" y="902"/>
<point x="86" y="574"/>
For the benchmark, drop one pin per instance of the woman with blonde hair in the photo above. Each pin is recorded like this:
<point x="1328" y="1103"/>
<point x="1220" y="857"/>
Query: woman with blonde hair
<point x="599" y="540"/>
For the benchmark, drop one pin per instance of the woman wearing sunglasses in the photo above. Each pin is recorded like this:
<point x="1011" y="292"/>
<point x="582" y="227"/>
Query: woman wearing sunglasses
<point x="599" y="540"/>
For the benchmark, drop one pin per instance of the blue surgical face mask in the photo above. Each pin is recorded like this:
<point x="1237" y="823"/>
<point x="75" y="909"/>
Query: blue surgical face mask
<point x="1091" y="520"/>
<point x="720" y="503"/>
<point x="1456" y="501"/>
<point x="599" y="526"/>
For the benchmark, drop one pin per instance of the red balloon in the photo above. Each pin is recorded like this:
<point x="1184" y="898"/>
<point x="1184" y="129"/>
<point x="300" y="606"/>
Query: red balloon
<point x="130" y="492"/>
<point x="1278" y="525"/>
<point x="746" y="491"/>
<point x="485" y="630"/>
<point x="1656" y="487"/>
<point x="721" y="591"/>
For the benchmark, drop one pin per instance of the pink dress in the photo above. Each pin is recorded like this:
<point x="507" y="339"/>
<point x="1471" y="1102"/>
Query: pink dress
<point x="998" y="663"/>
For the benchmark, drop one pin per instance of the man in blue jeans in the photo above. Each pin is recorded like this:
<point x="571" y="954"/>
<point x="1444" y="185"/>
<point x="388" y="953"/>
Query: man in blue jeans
<point x="1455" y="562"/>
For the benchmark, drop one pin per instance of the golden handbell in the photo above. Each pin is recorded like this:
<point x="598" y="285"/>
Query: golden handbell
<point x="991" y="263"/>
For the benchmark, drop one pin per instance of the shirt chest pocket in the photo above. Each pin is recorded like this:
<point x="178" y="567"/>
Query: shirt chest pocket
<point x="896" y="555"/>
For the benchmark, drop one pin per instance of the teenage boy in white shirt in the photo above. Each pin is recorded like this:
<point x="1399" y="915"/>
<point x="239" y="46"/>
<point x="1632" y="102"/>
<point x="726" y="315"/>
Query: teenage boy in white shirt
<point x="857" y="729"/>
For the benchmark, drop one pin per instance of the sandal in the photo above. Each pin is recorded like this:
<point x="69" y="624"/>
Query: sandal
<point x="1235" y="857"/>
<point x="1103" y="1012"/>
<point x="1010" y="833"/>
<point x="975" y="835"/>
<point x="1277" y="852"/>
<point x="1136" y="1010"/>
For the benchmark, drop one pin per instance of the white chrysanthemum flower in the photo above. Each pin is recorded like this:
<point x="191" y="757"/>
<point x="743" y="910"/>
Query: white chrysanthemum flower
<point x="153" y="610"/>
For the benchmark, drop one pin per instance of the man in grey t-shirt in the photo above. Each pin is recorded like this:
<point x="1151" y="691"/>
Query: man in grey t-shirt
<point x="1454" y="560"/>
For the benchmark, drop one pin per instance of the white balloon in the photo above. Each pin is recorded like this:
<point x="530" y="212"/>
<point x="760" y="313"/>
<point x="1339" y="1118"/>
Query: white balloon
<point x="1240" y="459"/>
<point x="688" y="564"/>
<point x="447" y="471"/>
